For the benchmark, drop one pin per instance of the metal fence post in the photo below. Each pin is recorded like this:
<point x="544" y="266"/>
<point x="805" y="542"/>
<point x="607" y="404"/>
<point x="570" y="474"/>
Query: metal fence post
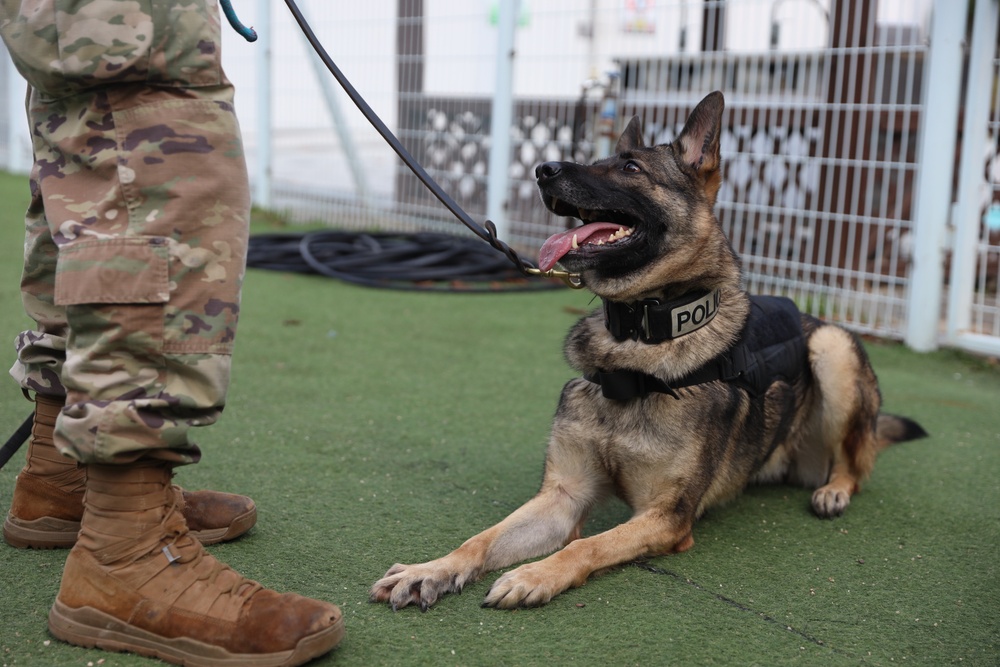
<point x="498" y="178"/>
<point x="974" y="134"/>
<point x="351" y="155"/>
<point x="263" y="56"/>
<point x="18" y="152"/>
<point x="933" y="186"/>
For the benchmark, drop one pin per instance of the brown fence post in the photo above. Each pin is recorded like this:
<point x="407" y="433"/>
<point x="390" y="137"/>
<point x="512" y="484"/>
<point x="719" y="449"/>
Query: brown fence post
<point x="409" y="82"/>
<point x="845" y="142"/>
<point x="713" y="25"/>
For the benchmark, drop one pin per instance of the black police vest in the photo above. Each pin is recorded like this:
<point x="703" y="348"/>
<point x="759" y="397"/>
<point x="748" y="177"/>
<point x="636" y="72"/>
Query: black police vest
<point x="771" y="346"/>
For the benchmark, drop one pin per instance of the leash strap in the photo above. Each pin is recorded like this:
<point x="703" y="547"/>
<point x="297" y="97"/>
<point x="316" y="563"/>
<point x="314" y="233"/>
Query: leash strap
<point x="489" y="234"/>
<point x="16" y="440"/>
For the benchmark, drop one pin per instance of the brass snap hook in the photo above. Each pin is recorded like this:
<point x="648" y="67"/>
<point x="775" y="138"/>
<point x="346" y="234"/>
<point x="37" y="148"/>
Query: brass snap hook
<point x="571" y="280"/>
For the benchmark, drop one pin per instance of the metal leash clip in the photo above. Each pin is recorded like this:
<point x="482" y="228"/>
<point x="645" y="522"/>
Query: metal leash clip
<point x="572" y="280"/>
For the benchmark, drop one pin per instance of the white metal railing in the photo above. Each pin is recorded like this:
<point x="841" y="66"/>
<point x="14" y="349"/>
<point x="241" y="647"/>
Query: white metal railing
<point x="973" y="310"/>
<point x="838" y="162"/>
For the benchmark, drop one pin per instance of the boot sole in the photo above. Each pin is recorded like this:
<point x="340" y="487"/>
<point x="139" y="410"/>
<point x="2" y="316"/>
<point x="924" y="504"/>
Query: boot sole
<point x="239" y="526"/>
<point x="52" y="533"/>
<point x="91" y="628"/>
<point x="44" y="533"/>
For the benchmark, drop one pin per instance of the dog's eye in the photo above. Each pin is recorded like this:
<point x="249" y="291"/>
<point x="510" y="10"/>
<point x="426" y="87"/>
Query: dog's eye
<point x="631" y="167"/>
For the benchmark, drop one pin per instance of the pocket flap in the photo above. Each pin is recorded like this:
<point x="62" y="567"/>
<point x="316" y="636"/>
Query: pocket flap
<point x="117" y="270"/>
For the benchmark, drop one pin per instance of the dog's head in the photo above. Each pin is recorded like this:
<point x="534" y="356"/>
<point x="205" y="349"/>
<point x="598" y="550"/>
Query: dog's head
<point x="648" y="227"/>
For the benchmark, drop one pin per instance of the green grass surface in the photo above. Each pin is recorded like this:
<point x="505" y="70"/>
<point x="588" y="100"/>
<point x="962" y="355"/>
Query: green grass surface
<point x="373" y="427"/>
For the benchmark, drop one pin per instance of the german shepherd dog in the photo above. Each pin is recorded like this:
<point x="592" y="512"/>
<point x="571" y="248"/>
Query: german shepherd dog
<point x="691" y="389"/>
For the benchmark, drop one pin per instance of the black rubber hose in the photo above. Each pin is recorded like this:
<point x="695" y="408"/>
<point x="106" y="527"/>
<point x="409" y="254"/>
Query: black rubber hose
<point x="423" y="261"/>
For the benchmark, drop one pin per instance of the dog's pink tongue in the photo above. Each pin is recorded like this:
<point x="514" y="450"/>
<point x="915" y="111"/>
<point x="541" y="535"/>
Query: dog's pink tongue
<point x="559" y="244"/>
<point x="554" y="247"/>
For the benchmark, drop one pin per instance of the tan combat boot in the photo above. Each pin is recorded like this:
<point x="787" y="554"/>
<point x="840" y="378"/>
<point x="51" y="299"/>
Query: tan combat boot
<point x="137" y="581"/>
<point x="48" y="496"/>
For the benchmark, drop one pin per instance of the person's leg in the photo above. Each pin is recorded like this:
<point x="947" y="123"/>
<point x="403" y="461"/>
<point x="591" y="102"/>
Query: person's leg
<point x="142" y="178"/>
<point x="47" y="502"/>
<point x="147" y="202"/>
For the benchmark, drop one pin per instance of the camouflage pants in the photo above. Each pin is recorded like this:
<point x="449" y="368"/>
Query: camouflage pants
<point x="137" y="227"/>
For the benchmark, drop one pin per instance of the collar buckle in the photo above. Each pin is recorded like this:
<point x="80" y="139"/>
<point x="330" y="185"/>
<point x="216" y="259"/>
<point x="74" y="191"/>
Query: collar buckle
<point x="644" y="323"/>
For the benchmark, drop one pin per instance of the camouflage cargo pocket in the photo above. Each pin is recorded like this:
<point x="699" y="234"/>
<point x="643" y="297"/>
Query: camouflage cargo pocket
<point x="115" y="291"/>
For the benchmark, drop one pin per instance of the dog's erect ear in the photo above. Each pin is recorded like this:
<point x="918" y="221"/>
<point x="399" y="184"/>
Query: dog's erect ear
<point x="698" y="143"/>
<point x="632" y="136"/>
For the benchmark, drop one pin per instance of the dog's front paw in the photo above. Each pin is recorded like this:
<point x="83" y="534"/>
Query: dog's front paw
<point x="420" y="584"/>
<point x="530" y="585"/>
<point x="829" y="502"/>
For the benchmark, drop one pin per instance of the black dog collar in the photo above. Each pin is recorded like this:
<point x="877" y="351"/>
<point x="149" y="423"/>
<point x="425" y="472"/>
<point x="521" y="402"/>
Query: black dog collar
<point x="652" y="321"/>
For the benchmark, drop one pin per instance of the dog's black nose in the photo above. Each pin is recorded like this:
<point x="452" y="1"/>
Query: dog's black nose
<point x="548" y="170"/>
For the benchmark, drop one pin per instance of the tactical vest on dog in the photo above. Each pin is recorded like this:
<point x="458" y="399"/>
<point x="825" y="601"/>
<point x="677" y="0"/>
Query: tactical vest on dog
<point x="771" y="345"/>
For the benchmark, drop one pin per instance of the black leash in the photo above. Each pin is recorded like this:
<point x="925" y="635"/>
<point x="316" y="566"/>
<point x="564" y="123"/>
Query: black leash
<point x="16" y="440"/>
<point x="489" y="234"/>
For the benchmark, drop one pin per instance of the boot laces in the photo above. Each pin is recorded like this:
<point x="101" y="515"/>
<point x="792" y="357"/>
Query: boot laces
<point x="184" y="549"/>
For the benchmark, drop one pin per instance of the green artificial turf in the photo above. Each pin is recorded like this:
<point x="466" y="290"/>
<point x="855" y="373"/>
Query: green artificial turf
<point x="373" y="427"/>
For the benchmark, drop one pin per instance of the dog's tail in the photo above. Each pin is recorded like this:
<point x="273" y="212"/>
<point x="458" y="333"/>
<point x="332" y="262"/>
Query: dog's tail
<point x="892" y="429"/>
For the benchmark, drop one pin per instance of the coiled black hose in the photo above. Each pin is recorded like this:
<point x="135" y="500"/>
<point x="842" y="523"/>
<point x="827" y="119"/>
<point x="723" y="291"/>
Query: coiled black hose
<point x="422" y="261"/>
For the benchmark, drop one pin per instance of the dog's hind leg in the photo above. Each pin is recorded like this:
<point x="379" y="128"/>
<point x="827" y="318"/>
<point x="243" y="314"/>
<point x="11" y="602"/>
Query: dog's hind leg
<point x="846" y="423"/>
<point x="543" y="524"/>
